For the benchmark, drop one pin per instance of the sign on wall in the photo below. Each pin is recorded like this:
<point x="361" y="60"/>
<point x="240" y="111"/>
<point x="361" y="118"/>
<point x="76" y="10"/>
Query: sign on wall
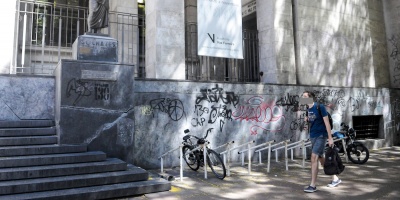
<point x="220" y="28"/>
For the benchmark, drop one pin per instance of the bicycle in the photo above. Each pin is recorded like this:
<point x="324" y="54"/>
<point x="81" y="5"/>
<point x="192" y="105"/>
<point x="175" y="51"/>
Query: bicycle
<point x="193" y="154"/>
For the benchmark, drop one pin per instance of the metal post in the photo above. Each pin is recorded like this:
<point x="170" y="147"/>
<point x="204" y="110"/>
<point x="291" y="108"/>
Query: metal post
<point x="344" y="149"/>
<point x="181" y="162"/>
<point x="205" y="160"/>
<point x="269" y="156"/>
<point x="59" y="39"/>
<point x="303" y="149"/>
<point x="228" y="165"/>
<point x="291" y="153"/>
<point x="23" y="40"/>
<point x="242" y="158"/>
<point x="162" y="165"/>
<point x="259" y="157"/>
<point x="286" y="156"/>
<point x="249" y="154"/>
<point x="276" y="156"/>
<point x="43" y="38"/>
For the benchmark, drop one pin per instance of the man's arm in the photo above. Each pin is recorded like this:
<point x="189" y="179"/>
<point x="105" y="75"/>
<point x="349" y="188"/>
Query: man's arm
<point x="328" y="129"/>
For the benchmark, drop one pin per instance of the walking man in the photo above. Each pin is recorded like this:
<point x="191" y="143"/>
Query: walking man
<point x="320" y="131"/>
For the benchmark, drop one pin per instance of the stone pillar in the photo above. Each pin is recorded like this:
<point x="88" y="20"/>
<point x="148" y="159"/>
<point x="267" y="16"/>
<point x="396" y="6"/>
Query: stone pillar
<point x="7" y="22"/>
<point x="275" y="27"/>
<point x="165" y="39"/>
<point x="123" y="26"/>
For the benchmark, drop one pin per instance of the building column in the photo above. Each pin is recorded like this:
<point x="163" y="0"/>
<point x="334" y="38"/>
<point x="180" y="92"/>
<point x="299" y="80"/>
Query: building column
<point x="165" y="39"/>
<point x="7" y="14"/>
<point x="276" y="41"/>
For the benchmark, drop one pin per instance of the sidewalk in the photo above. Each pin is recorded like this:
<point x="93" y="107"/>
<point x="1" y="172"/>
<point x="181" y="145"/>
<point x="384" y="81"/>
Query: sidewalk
<point x="379" y="178"/>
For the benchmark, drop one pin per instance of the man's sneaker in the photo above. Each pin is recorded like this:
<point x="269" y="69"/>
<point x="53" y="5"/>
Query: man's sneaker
<point x="310" y="189"/>
<point x="334" y="183"/>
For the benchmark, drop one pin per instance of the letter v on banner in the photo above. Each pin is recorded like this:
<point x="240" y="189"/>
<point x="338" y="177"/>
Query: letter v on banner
<point x="219" y="28"/>
<point x="212" y="38"/>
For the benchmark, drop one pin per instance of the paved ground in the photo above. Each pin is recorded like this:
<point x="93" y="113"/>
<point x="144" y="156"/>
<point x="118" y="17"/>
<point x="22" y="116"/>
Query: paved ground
<point x="379" y="178"/>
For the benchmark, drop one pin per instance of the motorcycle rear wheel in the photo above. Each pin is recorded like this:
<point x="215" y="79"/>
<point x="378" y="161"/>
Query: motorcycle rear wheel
<point x="358" y="153"/>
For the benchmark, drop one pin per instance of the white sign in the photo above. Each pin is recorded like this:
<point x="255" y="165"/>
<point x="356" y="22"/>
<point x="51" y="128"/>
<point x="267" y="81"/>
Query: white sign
<point x="220" y="28"/>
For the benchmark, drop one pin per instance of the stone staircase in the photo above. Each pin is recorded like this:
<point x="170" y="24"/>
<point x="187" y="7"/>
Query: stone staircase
<point x="34" y="166"/>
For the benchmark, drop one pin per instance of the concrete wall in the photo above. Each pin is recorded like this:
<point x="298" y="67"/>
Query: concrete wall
<point x="26" y="97"/>
<point x="339" y="43"/>
<point x="392" y="21"/>
<point x="242" y="112"/>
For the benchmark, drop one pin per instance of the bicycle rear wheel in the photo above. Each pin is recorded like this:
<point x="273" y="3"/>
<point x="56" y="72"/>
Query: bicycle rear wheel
<point x="190" y="158"/>
<point x="216" y="164"/>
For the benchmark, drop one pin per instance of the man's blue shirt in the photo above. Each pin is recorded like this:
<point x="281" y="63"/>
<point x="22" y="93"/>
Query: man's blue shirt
<point x="317" y="125"/>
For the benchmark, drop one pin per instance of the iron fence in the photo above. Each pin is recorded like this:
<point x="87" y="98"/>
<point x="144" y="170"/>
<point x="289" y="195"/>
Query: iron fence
<point x="46" y="31"/>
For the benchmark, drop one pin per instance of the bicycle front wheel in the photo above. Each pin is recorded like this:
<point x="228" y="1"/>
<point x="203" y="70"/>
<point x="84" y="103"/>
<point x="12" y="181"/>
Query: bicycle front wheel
<point x="216" y="164"/>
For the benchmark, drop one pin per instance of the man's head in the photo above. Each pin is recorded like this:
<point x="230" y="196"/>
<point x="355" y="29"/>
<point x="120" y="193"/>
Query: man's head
<point x="308" y="94"/>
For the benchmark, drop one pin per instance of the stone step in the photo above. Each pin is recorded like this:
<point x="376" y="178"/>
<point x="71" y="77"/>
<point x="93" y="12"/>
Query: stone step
<point x="97" y="192"/>
<point x="75" y="181"/>
<point x="41" y="149"/>
<point x="34" y="140"/>
<point x="51" y="159"/>
<point x="27" y="124"/>
<point x="16" y="132"/>
<point x="112" y="164"/>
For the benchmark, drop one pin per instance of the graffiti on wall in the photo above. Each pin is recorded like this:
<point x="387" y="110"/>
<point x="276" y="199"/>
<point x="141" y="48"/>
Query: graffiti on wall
<point x="263" y="116"/>
<point x="172" y="107"/>
<point x="80" y="89"/>
<point x="212" y="106"/>
<point x="290" y="101"/>
<point x="395" y="56"/>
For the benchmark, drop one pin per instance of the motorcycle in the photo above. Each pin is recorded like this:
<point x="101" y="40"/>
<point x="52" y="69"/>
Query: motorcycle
<point x="356" y="151"/>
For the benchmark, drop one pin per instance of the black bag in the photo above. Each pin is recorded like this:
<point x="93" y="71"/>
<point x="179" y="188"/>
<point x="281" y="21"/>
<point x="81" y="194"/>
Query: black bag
<point x="333" y="163"/>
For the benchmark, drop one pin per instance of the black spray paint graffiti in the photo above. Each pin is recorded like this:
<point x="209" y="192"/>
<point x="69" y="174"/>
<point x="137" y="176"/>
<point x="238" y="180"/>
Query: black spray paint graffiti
<point x="86" y="89"/>
<point x="395" y="55"/>
<point x="290" y="101"/>
<point x="173" y="107"/>
<point x="215" y="95"/>
<point x="298" y="124"/>
<point x="218" y="111"/>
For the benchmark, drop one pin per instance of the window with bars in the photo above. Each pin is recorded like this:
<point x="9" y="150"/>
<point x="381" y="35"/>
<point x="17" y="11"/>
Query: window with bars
<point x="367" y="127"/>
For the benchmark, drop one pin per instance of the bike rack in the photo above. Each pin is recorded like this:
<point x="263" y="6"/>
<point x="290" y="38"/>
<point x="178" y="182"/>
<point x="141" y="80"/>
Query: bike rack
<point x="229" y="150"/>
<point x="269" y="152"/>
<point x="259" y="154"/>
<point x="302" y="144"/>
<point x="224" y="157"/>
<point x="180" y="160"/>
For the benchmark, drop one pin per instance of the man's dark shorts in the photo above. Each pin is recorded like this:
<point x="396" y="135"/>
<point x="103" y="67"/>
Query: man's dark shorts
<point x="318" y="145"/>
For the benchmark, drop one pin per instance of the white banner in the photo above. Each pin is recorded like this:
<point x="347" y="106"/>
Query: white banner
<point x="219" y="25"/>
